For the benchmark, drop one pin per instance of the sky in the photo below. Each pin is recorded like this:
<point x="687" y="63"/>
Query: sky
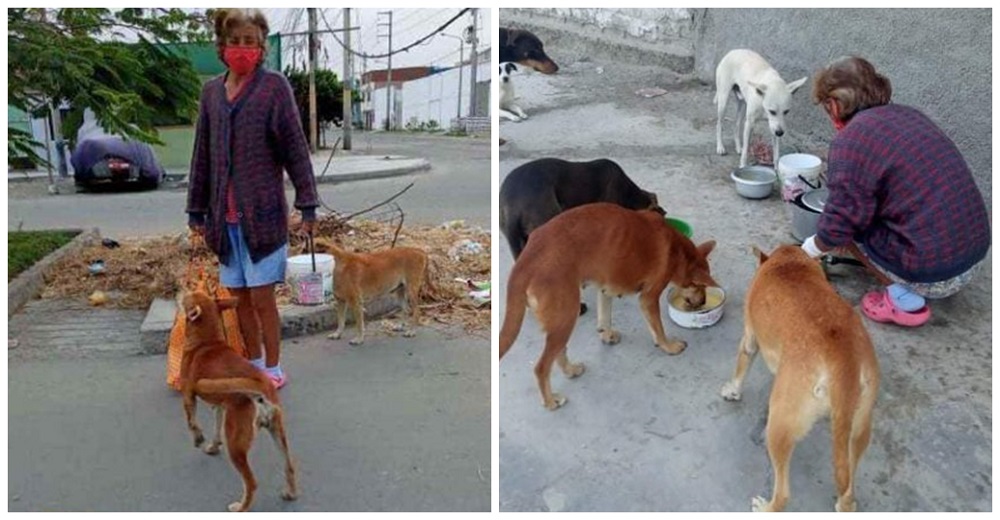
<point x="409" y="25"/>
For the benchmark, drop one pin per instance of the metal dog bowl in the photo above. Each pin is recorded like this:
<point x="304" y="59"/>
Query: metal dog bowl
<point x="754" y="182"/>
<point x="706" y="316"/>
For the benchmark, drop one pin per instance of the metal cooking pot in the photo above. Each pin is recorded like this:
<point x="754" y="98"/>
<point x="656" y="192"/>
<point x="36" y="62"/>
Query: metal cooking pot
<point x="806" y="209"/>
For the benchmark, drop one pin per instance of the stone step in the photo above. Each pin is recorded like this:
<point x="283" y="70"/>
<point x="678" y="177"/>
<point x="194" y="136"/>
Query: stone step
<point x="296" y="320"/>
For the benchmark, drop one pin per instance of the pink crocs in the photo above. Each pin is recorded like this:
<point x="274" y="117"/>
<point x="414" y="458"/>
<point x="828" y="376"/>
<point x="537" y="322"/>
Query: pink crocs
<point x="879" y="308"/>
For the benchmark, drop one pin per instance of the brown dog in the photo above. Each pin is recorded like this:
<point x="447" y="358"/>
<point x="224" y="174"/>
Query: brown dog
<point x="620" y="250"/>
<point x="361" y="276"/>
<point x="823" y="361"/>
<point x="243" y="396"/>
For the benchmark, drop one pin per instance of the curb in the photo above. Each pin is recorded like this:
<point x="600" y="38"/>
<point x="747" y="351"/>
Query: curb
<point x="296" y="320"/>
<point x="422" y="165"/>
<point x="27" y="284"/>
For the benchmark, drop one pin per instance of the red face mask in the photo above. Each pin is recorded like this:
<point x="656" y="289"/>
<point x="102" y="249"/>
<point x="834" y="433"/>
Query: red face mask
<point x="242" y="60"/>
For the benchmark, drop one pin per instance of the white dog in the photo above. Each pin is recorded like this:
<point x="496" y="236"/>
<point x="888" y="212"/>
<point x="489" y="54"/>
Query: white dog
<point x="757" y="87"/>
<point x="508" y="109"/>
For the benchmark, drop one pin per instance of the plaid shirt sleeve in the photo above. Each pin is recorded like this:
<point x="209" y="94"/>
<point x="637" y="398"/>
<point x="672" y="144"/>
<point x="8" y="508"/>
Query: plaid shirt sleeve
<point x="286" y="129"/>
<point x="853" y="179"/>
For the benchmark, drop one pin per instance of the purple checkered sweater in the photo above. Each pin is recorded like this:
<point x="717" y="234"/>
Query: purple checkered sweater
<point x="900" y="187"/>
<point x="249" y="143"/>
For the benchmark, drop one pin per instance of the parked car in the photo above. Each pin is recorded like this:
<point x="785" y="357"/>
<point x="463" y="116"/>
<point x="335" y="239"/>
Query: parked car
<point x="112" y="160"/>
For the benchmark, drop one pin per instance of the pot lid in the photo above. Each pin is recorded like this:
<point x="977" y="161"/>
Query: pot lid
<point x="816" y="199"/>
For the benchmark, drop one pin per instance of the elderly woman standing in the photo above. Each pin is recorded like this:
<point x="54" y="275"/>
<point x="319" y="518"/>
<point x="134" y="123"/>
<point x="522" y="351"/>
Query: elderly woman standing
<point x="248" y="132"/>
<point x="902" y="199"/>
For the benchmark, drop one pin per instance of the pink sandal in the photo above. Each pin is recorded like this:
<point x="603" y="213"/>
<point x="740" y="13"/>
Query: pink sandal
<point x="877" y="306"/>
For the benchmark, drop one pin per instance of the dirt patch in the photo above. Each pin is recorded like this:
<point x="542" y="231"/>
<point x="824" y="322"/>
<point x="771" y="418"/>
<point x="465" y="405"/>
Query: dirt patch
<point x="139" y="271"/>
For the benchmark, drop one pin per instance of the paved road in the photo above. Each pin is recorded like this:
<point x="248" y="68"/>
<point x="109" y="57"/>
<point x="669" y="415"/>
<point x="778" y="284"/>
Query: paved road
<point x="648" y="432"/>
<point x="456" y="186"/>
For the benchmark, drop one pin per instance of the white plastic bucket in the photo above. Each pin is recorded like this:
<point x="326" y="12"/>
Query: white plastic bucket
<point x="304" y="289"/>
<point x="799" y="173"/>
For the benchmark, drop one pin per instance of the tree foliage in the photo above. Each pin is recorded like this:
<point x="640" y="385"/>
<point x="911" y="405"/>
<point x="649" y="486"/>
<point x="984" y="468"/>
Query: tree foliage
<point x="105" y="60"/>
<point x="329" y="94"/>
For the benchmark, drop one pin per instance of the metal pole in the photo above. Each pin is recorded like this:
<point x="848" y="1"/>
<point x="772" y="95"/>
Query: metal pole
<point x="473" y="106"/>
<point x="313" y="127"/>
<point x="461" y="67"/>
<point x="388" y="82"/>
<point x="346" y="82"/>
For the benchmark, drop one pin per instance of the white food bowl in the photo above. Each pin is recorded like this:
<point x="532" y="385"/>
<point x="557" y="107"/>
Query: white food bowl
<point x="754" y="182"/>
<point x="708" y="315"/>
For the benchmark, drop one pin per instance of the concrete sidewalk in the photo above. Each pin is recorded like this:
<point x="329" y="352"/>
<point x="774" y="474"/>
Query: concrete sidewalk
<point x="343" y="168"/>
<point x="644" y="431"/>
<point x="394" y="425"/>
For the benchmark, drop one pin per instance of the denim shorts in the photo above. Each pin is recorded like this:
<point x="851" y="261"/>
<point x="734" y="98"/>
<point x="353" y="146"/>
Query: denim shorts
<point x="242" y="272"/>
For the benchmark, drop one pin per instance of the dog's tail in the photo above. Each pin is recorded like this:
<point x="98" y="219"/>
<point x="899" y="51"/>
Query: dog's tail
<point x="517" y="303"/>
<point x="238" y="385"/>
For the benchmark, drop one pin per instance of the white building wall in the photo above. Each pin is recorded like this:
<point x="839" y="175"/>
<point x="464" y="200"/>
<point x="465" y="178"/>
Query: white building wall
<point x="434" y="97"/>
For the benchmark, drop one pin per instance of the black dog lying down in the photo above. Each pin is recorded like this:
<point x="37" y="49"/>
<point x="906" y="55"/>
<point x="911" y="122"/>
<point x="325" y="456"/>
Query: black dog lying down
<point x="535" y="192"/>
<point x="524" y="48"/>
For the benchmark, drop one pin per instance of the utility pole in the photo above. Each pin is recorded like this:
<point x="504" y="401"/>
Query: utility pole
<point x="313" y="44"/>
<point x="461" y="65"/>
<point x="475" y="63"/>
<point x="346" y="81"/>
<point x="388" y="76"/>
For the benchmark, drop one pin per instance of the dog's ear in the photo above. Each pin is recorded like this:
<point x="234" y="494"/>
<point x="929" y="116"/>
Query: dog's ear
<point x="511" y="67"/>
<point x="508" y="36"/>
<point x="704" y="278"/>
<point x="706" y="248"/>
<point x="761" y="256"/>
<point x="193" y="313"/>
<point x="761" y="88"/>
<point x="795" y="85"/>
<point x="226" y="303"/>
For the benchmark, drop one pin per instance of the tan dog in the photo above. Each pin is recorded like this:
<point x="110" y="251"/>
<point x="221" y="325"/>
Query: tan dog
<point x="243" y="396"/>
<point x="823" y="361"/>
<point x="620" y="250"/>
<point x="358" y="277"/>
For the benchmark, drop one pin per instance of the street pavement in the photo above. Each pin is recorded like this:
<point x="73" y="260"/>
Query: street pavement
<point x="457" y="185"/>
<point x="644" y="431"/>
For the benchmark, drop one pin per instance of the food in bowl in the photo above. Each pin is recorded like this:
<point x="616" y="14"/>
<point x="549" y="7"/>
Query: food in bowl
<point x="705" y="316"/>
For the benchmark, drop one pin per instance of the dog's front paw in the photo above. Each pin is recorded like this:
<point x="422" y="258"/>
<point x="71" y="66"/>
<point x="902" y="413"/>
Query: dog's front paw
<point x="288" y="495"/>
<point x="759" y="505"/>
<point x="356" y="341"/>
<point x="674" y="347"/>
<point x="574" y="370"/>
<point x="199" y="439"/>
<point x="720" y="149"/>
<point x="557" y="401"/>
<point x="212" y="448"/>
<point x="845" y="505"/>
<point x="731" y="391"/>
<point x="334" y="335"/>
<point x="409" y="333"/>
<point x="236" y="507"/>
<point x="610" y="336"/>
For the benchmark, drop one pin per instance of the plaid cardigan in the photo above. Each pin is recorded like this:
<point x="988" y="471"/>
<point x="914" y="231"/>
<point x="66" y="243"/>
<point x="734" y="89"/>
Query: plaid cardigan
<point x="249" y="143"/>
<point x="900" y="187"/>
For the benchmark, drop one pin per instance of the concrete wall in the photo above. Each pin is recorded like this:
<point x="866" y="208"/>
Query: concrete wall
<point x="651" y="25"/>
<point x="436" y="96"/>
<point x="939" y="61"/>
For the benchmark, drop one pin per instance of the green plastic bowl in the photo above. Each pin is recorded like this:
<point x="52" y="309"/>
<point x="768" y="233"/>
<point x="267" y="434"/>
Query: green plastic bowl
<point x="680" y="225"/>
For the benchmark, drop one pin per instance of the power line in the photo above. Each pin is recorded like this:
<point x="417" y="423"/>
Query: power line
<point x="403" y="49"/>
